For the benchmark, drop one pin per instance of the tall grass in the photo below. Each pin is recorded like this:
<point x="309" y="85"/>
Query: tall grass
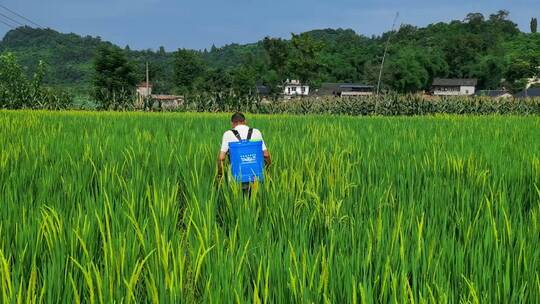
<point x="123" y="208"/>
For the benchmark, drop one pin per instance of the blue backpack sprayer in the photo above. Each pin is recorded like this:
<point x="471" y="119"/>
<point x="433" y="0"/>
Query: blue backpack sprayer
<point x="247" y="159"/>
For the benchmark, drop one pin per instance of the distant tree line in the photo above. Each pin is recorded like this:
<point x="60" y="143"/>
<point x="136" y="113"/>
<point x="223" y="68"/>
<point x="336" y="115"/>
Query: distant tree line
<point x="489" y="48"/>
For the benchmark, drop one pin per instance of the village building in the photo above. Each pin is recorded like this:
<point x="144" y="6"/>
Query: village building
<point x="493" y="94"/>
<point x="532" y="89"/>
<point x="145" y="98"/>
<point x="262" y="90"/>
<point x="166" y="102"/>
<point x="344" y="89"/>
<point x="454" y="87"/>
<point x="294" y="88"/>
<point x="144" y="89"/>
<point x="533" y="81"/>
<point x="529" y="93"/>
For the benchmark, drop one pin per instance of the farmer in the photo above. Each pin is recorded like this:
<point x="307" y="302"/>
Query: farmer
<point x="240" y="130"/>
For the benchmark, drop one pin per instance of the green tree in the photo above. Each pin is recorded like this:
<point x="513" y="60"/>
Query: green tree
<point x="489" y="71"/>
<point x="432" y="60"/>
<point x="214" y="81"/>
<point x="517" y="74"/>
<point x="501" y="15"/>
<point x="476" y="21"/>
<point x="114" y="79"/>
<point x="500" y="24"/>
<point x="305" y="61"/>
<point x="336" y="68"/>
<point x="534" y="25"/>
<point x="188" y="66"/>
<point x="522" y="57"/>
<point x="19" y="91"/>
<point x="277" y="51"/>
<point x="12" y="83"/>
<point x="273" y="81"/>
<point x="244" y="80"/>
<point x="408" y="72"/>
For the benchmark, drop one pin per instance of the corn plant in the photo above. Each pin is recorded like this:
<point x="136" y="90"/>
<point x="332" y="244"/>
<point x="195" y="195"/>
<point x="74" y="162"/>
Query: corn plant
<point x="17" y="91"/>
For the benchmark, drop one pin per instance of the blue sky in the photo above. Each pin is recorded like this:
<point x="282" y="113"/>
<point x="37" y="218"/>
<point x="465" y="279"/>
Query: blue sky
<point x="201" y="23"/>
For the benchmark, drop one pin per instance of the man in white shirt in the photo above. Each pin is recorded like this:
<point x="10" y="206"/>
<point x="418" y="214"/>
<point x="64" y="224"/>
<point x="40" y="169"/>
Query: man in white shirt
<point x="239" y="126"/>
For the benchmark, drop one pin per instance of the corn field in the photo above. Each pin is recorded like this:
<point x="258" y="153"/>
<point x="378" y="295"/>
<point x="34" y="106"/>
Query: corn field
<point x="124" y="208"/>
<point x="383" y="105"/>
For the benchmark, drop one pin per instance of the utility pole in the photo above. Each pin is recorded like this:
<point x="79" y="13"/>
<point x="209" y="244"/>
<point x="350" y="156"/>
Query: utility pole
<point x="147" y="97"/>
<point x="147" y="79"/>
<point x="385" y="52"/>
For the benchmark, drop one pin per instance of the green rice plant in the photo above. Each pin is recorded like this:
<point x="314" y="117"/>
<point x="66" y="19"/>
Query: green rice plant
<point x="102" y="207"/>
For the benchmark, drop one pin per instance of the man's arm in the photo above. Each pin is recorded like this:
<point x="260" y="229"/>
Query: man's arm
<point x="221" y="159"/>
<point x="267" y="159"/>
<point x="222" y="156"/>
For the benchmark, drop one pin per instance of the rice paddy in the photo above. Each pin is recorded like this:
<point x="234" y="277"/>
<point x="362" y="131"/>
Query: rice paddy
<point x="125" y="208"/>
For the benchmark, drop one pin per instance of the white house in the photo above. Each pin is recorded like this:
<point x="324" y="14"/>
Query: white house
<point x="144" y="89"/>
<point x="166" y="102"/>
<point x="454" y="87"/>
<point x="161" y="102"/>
<point x="293" y="88"/>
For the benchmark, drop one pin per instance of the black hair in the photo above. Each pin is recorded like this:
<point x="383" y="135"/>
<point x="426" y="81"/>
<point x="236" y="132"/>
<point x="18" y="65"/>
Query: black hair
<point x="238" y="117"/>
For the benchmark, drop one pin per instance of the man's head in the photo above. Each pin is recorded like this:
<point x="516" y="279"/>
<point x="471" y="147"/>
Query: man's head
<point x="238" y="119"/>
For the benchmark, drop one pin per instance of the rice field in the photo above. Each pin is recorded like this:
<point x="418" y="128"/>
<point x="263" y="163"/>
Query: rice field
<point x="124" y="208"/>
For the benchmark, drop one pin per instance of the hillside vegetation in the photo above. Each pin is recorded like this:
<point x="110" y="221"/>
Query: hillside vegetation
<point x="490" y="48"/>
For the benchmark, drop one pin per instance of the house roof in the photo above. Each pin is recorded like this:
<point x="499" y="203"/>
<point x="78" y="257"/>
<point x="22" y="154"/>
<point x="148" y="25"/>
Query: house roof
<point x="454" y="82"/>
<point x="293" y="82"/>
<point x="355" y="86"/>
<point x="491" y="93"/>
<point x="144" y="85"/>
<point x="262" y="90"/>
<point x="535" y="92"/>
<point x="332" y="88"/>
<point x="166" y="97"/>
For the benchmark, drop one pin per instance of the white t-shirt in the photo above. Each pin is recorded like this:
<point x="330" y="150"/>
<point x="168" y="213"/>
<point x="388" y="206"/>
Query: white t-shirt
<point x="243" y="130"/>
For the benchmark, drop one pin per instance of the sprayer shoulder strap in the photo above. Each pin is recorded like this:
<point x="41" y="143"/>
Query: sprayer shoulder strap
<point x="236" y="134"/>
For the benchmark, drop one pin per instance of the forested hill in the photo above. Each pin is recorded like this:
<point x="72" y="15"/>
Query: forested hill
<point x="69" y="57"/>
<point x="490" y="48"/>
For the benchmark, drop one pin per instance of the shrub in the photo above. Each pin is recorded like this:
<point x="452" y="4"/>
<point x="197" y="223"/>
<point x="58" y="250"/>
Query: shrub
<point x="17" y="91"/>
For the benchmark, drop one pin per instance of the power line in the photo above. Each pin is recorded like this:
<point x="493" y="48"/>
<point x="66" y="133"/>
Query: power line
<point x="15" y="24"/>
<point x="15" y="28"/>
<point x="385" y="52"/>
<point x="20" y="16"/>
<point x="12" y="20"/>
<point x="7" y="24"/>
